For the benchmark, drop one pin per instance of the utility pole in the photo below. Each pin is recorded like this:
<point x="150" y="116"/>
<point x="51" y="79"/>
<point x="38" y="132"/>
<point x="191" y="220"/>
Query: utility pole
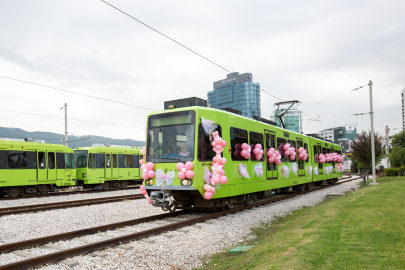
<point x="387" y="146"/>
<point x="370" y="84"/>
<point x="66" y="133"/>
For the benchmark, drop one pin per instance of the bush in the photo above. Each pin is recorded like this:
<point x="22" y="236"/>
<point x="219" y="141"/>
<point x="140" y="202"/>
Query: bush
<point x="393" y="171"/>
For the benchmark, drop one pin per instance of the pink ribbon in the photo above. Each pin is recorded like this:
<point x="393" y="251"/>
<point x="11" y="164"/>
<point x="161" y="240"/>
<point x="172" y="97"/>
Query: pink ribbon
<point x="207" y="175"/>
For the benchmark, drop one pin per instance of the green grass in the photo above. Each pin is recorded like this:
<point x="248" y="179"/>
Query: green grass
<point x="365" y="230"/>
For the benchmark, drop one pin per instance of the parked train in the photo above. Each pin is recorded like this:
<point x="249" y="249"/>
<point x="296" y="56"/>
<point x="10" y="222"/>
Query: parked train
<point x="177" y="136"/>
<point x="41" y="168"/>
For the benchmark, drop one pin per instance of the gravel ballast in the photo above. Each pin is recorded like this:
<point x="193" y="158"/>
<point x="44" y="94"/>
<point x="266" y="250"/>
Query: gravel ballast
<point x="189" y="247"/>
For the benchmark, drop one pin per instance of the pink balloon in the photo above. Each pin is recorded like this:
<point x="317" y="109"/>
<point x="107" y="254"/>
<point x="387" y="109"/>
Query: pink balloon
<point x="287" y="153"/>
<point x="259" y="146"/>
<point x="142" y="151"/>
<point x="218" y="147"/>
<point x="143" y="166"/>
<point x="278" y="162"/>
<point x="247" y="156"/>
<point x="292" y="157"/>
<point x="244" y="153"/>
<point x="222" y="173"/>
<point x="300" y="150"/>
<point x="151" y="173"/>
<point x="145" y="176"/>
<point x="144" y="192"/>
<point x="208" y="195"/>
<point x="256" y="151"/>
<point x="213" y="144"/>
<point x="245" y="146"/>
<point x="189" y="165"/>
<point x="259" y="157"/>
<point x="223" y="160"/>
<point x="223" y="179"/>
<point x="271" y="159"/>
<point x="286" y="146"/>
<point x="141" y="187"/>
<point x="149" y="201"/>
<point x="218" y="140"/>
<point x="207" y="187"/>
<point x="219" y="169"/>
<point x="304" y="158"/>
<point x="189" y="174"/>
<point x="223" y="143"/>
<point x="215" y="179"/>
<point x="180" y="166"/>
<point x="149" y="166"/>
<point x="181" y="175"/>
<point x="142" y="161"/>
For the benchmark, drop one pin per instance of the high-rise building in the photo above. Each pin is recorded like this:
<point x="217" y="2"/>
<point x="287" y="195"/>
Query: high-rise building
<point x="292" y="119"/>
<point x="403" y="108"/>
<point x="237" y="92"/>
<point x="343" y="136"/>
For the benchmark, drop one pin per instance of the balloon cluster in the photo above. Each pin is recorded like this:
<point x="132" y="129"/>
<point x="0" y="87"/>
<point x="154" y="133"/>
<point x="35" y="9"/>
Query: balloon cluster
<point x="242" y="151"/>
<point x="143" y="190"/>
<point x="217" y="168"/>
<point x="142" y="161"/>
<point x="289" y="151"/>
<point x="258" y="151"/>
<point x="340" y="167"/>
<point x="147" y="170"/>
<point x="321" y="158"/>
<point x="185" y="170"/>
<point x="337" y="158"/>
<point x="274" y="156"/>
<point x="302" y="154"/>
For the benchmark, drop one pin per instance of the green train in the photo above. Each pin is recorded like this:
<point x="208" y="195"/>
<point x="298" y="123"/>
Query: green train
<point x="177" y="136"/>
<point x="108" y="167"/>
<point x="32" y="168"/>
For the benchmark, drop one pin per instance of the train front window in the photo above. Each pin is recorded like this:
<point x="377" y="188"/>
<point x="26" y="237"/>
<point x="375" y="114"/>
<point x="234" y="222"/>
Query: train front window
<point x="171" y="137"/>
<point x="81" y="158"/>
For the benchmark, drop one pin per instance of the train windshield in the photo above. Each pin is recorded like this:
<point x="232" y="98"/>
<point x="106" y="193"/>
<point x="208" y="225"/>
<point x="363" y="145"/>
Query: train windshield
<point x="171" y="137"/>
<point x="81" y="158"/>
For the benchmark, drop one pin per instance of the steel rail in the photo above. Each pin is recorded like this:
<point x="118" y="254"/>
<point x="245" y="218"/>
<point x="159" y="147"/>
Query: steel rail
<point x="68" y="204"/>
<point x="29" y="196"/>
<point x="53" y="257"/>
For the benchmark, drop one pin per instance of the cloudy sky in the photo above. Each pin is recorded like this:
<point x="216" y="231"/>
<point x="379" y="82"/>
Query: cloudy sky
<point x="305" y="50"/>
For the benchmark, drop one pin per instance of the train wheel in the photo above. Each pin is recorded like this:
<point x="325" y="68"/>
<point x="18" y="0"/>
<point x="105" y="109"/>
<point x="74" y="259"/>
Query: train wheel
<point x="105" y="185"/>
<point x="124" y="184"/>
<point x="13" y="191"/>
<point x="44" y="192"/>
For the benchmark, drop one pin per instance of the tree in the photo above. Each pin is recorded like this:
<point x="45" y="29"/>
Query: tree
<point x="361" y="150"/>
<point x="399" y="139"/>
<point x="397" y="156"/>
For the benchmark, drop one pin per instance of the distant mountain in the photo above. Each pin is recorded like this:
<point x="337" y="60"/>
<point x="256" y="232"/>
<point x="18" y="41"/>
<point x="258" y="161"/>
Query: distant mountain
<point x="74" y="141"/>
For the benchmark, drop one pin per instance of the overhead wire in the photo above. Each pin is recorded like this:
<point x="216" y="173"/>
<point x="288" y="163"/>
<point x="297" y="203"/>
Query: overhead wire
<point x="72" y="92"/>
<point x="80" y="120"/>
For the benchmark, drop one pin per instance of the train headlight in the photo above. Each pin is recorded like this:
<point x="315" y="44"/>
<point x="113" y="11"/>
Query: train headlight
<point x="84" y="175"/>
<point x="186" y="182"/>
<point x="149" y="182"/>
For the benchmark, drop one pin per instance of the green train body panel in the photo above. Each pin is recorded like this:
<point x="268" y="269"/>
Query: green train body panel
<point x="237" y="185"/>
<point x="107" y="166"/>
<point x="31" y="164"/>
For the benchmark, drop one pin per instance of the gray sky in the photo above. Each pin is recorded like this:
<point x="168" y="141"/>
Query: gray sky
<point x="305" y="50"/>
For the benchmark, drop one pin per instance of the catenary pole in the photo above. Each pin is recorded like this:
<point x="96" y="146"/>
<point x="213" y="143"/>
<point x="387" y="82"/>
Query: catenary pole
<point x="66" y="136"/>
<point x="372" y="131"/>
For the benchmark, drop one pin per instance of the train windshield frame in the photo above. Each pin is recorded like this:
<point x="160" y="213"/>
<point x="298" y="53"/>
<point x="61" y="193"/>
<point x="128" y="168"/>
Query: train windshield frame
<point x="171" y="137"/>
<point x="82" y="155"/>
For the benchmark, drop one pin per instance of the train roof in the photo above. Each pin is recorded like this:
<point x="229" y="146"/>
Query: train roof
<point x="108" y="148"/>
<point x="22" y="145"/>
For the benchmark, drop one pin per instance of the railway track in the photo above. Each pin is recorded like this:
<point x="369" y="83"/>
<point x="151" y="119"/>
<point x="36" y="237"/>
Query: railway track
<point x="68" y="204"/>
<point x="56" y="256"/>
<point x="65" y="193"/>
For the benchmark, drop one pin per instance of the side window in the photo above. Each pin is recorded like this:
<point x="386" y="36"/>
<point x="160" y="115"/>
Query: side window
<point x="51" y="160"/>
<point x="292" y="144"/>
<point x="280" y="144"/>
<point x="121" y="163"/>
<point x="306" y="148"/>
<point x="320" y="152"/>
<point x="100" y="161"/>
<point x="93" y="158"/>
<point x="67" y="161"/>
<point x="3" y="159"/>
<point x="256" y="138"/>
<point x="136" y="161"/>
<point x="205" y="151"/>
<point x="130" y="161"/>
<point x="31" y="160"/>
<point x="42" y="160"/>
<point x="238" y="137"/>
<point x="108" y="161"/>
<point x="72" y="158"/>
<point x="90" y="161"/>
<point x="17" y="160"/>
<point x="60" y="160"/>
<point x="315" y="154"/>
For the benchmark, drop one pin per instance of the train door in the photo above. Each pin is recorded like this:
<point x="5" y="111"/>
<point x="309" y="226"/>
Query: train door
<point x="320" y="165"/>
<point x="114" y="170"/>
<point x="301" y="167"/>
<point x="271" y="168"/>
<point x="51" y="166"/>
<point x="108" y="166"/>
<point x="42" y="171"/>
